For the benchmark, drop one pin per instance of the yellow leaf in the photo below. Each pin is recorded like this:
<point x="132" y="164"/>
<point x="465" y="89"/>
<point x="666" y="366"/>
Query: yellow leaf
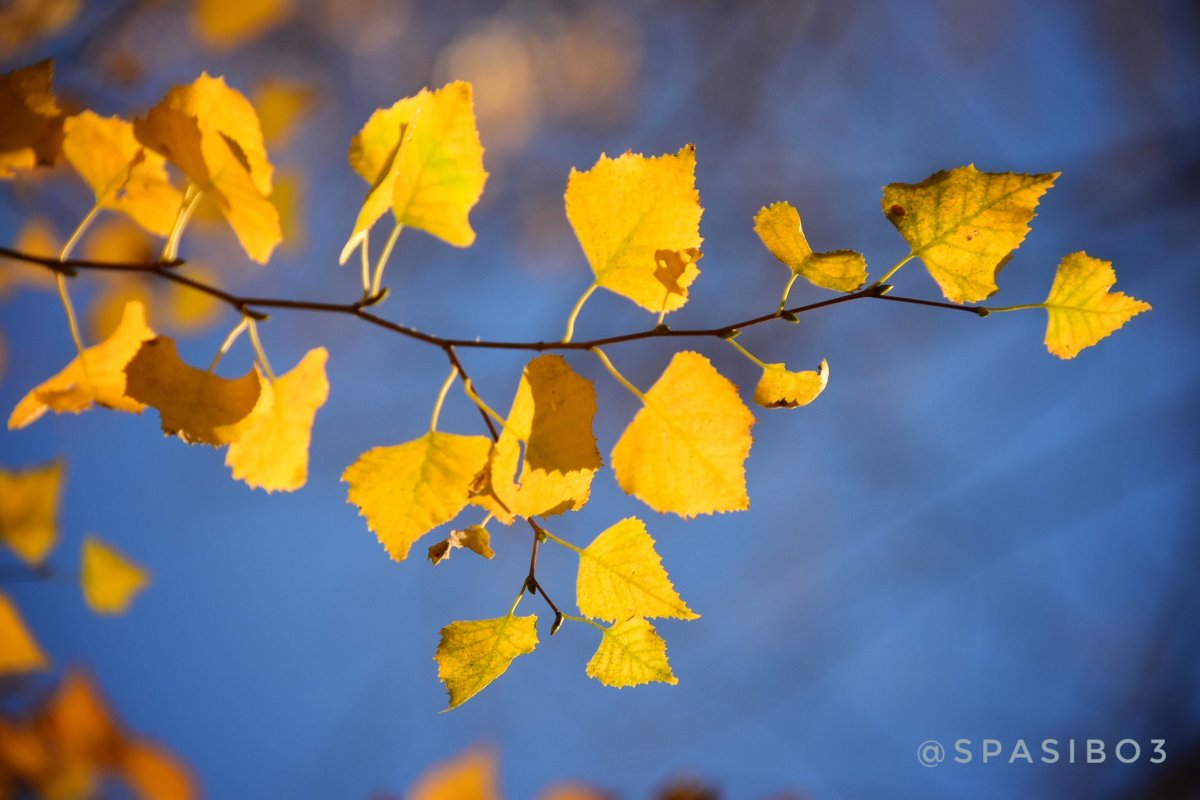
<point x="37" y="238"/>
<point x="211" y="132"/>
<point x="423" y="159"/>
<point x="95" y="376"/>
<point x="288" y="199"/>
<point x="110" y="581"/>
<point x="108" y="307"/>
<point x="474" y="538"/>
<point x="778" y="225"/>
<point x="1082" y="311"/>
<point x="471" y="776"/>
<point x="19" y="651"/>
<point x="122" y="174"/>
<point x="30" y="119"/>
<point x="625" y="210"/>
<point x="153" y="772"/>
<point x="272" y="452"/>
<point x="197" y="406"/>
<point x="621" y="576"/>
<point x="29" y="510"/>
<point x="409" y="489"/>
<point x="27" y="22"/>
<point x="781" y="388"/>
<point x="964" y="224"/>
<point x="552" y="416"/>
<point x="281" y="104"/>
<point x="229" y="23"/>
<point x="684" y="451"/>
<point x="631" y="653"/>
<point x="472" y="654"/>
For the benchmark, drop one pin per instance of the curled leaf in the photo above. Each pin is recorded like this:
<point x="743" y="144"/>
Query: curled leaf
<point x="779" y="387"/>
<point x="197" y="406"/>
<point x="474" y="538"/>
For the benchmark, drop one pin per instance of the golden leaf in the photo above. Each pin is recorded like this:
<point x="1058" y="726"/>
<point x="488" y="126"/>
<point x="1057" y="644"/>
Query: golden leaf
<point x="29" y="510"/>
<point x="631" y="653"/>
<point x="781" y="388"/>
<point x="95" y="376"/>
<point x="272" y="452"/>
<point x="472" y="654"/>
<point x="778" y="226"/>
<point x="471" y="776"/>
<point x="1081" y="309"/>
<point x="684" y="451"/>
<point x="19" y="651"/>
<point x="423" y="160"/>
<point x="197" y="406"/>
<point x="964" y="224"/>
<point x="677" y="270"/>
<point x="30" y="119"/>
<point x="622" y="576"/>
<point x="211" y="132"/>
<point x="625" y="210"/>
<point x="153" y="772"/>
<point x="109" y="580"/>
<point x="551" y="415"/>
<point x="281" y="104"/>
<point x="122" y="174"/>
<point x="407" y="490"/>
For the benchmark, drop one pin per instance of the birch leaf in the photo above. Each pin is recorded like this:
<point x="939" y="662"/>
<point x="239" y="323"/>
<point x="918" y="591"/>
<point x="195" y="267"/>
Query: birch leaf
<point x="778" y="226"/>
<point x="964" y="224"/>
<point x="621" y="576"/>
<point x="631" y="653"/>
<point x="685" y="450"/>
<point x="1081" y="309"/>
<point x="472" y="654"/>
<point x="110" y="581"/>
<point x="779" y="387"/>
<point x="29" y="510"/>
<point x="19" y="651"/>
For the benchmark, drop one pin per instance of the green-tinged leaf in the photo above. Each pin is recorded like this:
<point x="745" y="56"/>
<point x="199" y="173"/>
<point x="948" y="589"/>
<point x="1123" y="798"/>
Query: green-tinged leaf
<point x="472" y="654"/>
<point x="631" y="653"/>
<point x="964" y="224"/>
<point x="1081" y="309"/>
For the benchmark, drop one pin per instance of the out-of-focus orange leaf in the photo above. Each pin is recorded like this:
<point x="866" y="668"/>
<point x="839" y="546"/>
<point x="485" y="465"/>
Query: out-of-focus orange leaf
<point x="229" y="23"/>
<point x="29" y="510"/>
<point x="27" y="22"/>
<point x="471" y="776"/>
<point x="281" y="104"/>
<point x="19" y="651"/>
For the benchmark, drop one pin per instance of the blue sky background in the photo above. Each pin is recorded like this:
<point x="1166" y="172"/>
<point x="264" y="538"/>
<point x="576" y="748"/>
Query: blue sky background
<point x="963" y="538"/>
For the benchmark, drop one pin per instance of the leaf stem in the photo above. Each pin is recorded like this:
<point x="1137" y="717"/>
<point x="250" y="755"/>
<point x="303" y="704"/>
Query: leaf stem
<point x="365" y="250"/>
<point x="583" y="298"/>
<point x="238" y="330"/>
<point x="1023" y="307"/>
<point x="77" y="234"/>
<point x="591" y="622"/>
<point x="608" y="365"/>
<point x="60" y="282"/>
<point x="737" y="345"/>
<point x="787" y="290"/>
<point x="895" y="268"/>
<point x="512" y="610"/>
<point x="191" y="198"/>
<point x="478" y="401"/>
<point x="384" y="257"/>
<point x="259" y="351"/>
<point x="561" y="542"/>
<point x="441" y="398"/>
